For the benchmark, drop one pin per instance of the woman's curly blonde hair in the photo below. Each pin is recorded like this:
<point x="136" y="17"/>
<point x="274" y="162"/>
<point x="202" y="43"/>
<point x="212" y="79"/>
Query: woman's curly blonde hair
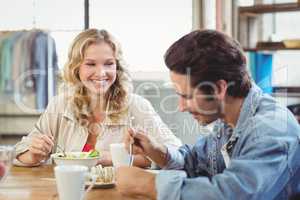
<point x="115" y="97"/>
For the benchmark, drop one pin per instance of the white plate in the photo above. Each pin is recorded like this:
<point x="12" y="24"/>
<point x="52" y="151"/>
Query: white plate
<point x="101" y="185"/>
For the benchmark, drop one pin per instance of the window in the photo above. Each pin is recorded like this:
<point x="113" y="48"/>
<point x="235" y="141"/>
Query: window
<point x="16" y="15"/>
<point x="62" y="22"/>
<point x="145" y="29"/>
<point x="285" y="26"/>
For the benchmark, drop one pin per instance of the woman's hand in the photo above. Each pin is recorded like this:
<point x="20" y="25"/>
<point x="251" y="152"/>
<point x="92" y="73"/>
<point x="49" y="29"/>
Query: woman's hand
<point x="39" y="149"/>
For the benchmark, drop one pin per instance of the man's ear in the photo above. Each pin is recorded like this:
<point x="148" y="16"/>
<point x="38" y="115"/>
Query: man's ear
<point x="221" y="86"/>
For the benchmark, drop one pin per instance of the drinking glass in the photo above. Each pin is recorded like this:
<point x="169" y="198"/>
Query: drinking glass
<point x="6" y="158"/>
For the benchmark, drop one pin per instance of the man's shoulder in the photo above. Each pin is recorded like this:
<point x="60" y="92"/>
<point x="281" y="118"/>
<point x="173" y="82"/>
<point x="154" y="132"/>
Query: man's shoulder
<point x="272" y="119"/>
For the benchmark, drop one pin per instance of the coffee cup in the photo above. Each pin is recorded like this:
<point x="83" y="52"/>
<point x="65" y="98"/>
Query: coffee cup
<point x="70" y="181"/>
<point x="119" y="155"/>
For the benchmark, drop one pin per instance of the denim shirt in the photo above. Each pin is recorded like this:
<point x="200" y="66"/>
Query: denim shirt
<point x="263" y="157"/>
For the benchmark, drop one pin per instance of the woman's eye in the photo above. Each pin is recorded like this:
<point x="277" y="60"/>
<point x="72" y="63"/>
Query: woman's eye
<point x="90" y="64"/>
<point x="109" y="64"/>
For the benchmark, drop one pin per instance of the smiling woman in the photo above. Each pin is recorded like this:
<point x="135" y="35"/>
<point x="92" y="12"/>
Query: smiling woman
<point x="96" y="71"/>
<point x="95" y="108"/>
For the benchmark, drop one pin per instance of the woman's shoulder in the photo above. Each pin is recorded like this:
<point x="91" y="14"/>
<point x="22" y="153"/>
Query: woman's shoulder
<point x="58" y="103"/>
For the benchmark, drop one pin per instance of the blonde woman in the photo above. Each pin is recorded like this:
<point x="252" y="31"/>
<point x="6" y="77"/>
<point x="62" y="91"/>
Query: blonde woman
<point x="95" y="109"/>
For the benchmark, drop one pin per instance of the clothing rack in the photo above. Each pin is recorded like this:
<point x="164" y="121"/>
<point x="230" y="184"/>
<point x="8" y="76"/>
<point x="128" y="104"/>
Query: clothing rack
<point x="28" y="56"/>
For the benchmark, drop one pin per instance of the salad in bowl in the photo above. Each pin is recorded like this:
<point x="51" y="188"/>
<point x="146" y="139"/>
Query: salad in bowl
<point x="88" y="159"/>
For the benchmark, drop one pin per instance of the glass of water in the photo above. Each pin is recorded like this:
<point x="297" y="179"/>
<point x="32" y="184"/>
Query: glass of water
<point x="6" y="158"/>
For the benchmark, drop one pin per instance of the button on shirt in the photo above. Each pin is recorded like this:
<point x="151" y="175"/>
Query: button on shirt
<point x="263" y="157"/>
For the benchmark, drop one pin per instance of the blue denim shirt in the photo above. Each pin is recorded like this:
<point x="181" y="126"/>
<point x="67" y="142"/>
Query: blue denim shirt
<point x="263" y="157"/>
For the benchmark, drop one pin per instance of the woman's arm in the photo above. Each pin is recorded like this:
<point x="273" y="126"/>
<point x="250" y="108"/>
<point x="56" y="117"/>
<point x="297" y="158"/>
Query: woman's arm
<point x="38" y="145"/>
<point x="39" y="149"/>
<point x="30" y="159"/>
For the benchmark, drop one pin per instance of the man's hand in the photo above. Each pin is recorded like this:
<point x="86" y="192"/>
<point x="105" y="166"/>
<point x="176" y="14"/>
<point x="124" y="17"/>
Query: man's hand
<point x="146" y="146"/>
<point x="142" y="144"/>
<point x="135" y="182"/>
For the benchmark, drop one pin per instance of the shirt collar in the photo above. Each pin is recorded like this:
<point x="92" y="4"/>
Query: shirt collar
<point x="249" y="108"/>
<point x="69" y="114"/>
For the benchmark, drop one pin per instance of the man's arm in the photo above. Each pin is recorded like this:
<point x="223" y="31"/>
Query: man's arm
<point x="261" y="172"/>
<point x="188" y="158"/>
<point x="136" y="182"/>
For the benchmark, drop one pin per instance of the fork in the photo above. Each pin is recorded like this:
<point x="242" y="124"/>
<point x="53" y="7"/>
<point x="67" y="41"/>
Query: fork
<point x="62" y="149"/>
<point x="131" y="156"/>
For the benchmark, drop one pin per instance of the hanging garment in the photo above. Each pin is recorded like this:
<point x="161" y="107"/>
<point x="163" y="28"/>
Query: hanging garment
<point x="44" y="48"/>
<point x="28" y="65"/>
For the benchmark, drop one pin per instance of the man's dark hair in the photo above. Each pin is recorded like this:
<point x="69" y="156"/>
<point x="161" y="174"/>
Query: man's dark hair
<point x="209" y="56"/>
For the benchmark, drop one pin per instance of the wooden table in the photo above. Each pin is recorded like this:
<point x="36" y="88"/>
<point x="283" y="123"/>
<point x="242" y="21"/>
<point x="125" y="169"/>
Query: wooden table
<point x="38" y="183"/>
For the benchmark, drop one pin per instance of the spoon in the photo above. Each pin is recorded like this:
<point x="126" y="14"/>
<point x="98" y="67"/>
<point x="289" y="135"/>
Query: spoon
<point x="131" y="144"/>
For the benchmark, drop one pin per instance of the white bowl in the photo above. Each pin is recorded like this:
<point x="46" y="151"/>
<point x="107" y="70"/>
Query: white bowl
<point x="75" y="158"/>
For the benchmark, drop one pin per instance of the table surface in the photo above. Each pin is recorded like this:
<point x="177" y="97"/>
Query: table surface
<point x="38" y="183"/>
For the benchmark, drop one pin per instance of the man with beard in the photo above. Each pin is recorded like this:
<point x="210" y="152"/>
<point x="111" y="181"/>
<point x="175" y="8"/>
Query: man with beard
<point x="255" y="155"/>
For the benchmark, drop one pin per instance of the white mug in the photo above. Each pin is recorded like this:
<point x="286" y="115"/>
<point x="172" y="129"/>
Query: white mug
<point x="119" y="155"/>
<point x="70" y="181"/>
